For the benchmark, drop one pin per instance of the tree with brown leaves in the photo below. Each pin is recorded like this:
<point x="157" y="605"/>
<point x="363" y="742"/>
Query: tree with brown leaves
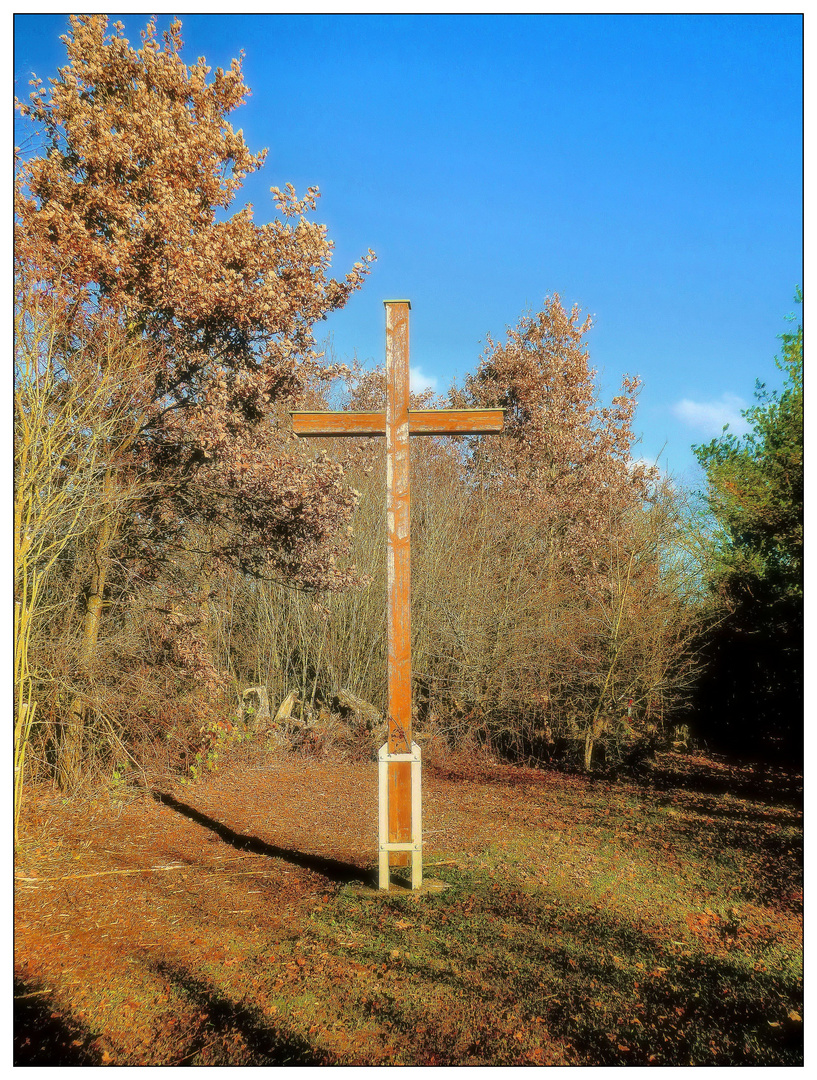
<point x="562" y="457"/>
<point x="568" y="501"/>
<point x="122" y="219"/>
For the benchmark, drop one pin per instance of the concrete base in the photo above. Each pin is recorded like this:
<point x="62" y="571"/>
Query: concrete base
<point x="429" y="886"/>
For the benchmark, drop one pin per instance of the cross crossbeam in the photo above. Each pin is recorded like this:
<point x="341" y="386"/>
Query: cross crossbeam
<point x="397" y="423"/>
<point x="421" y="422"/>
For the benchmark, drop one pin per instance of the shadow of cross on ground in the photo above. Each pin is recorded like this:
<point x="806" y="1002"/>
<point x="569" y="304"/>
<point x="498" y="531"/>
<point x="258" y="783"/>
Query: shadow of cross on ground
<point x="335" y="869"/>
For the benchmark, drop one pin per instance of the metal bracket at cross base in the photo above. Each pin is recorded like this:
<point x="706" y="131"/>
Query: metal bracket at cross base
<point x="415" y="845"/>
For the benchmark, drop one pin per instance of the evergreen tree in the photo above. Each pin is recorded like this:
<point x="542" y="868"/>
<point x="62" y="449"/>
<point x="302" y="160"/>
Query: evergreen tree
<point x="751" y="696"/>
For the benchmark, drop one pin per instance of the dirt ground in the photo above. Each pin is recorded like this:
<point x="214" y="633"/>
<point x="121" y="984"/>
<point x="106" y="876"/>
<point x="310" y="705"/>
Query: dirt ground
<point x="105" y="885"/>
<point x="122" y="901"/>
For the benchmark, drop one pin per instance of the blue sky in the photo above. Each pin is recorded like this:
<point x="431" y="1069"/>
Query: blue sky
<point x="647" y="168"/>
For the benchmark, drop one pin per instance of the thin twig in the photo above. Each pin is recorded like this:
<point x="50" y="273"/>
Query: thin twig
<point x="239" y="873"/>
<point x="192" y="1053"/>
<point x="246" y="855"/>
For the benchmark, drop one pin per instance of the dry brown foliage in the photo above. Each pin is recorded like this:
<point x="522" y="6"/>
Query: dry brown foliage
<point x="121" y="229"/>
<point x="555" y="594"/>
<point x="554" y="609"/>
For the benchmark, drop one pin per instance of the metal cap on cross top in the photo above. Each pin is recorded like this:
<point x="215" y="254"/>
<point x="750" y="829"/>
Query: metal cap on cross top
<point x="400" y="828"/>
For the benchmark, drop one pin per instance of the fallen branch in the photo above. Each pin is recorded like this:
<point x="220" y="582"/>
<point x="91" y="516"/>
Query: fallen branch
<point x="103" y="873"/>
<point x="145" y="870"/>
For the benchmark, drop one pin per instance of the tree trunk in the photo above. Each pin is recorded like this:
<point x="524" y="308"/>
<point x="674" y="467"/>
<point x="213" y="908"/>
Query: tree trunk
<point x="588" y="749"/>
<point x="72" y="736"/>
<point x="593" y="733"/>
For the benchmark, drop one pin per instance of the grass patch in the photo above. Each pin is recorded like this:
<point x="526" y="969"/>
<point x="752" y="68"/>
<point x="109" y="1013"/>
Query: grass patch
<point x="611" y="962"/>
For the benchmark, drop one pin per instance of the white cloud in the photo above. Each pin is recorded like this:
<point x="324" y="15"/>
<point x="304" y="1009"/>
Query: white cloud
<point x="709" y="417"/>
<point x="647" y="463"/>
<point x="419" y="381"/>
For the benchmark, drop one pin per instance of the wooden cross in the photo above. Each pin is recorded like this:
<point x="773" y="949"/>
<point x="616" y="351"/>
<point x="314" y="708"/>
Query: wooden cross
<point x="398" y="423"/>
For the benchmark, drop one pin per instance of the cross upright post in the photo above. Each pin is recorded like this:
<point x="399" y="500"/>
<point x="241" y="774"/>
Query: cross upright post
<point x="400" y="819"/>
<point x="398" y="574"/>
